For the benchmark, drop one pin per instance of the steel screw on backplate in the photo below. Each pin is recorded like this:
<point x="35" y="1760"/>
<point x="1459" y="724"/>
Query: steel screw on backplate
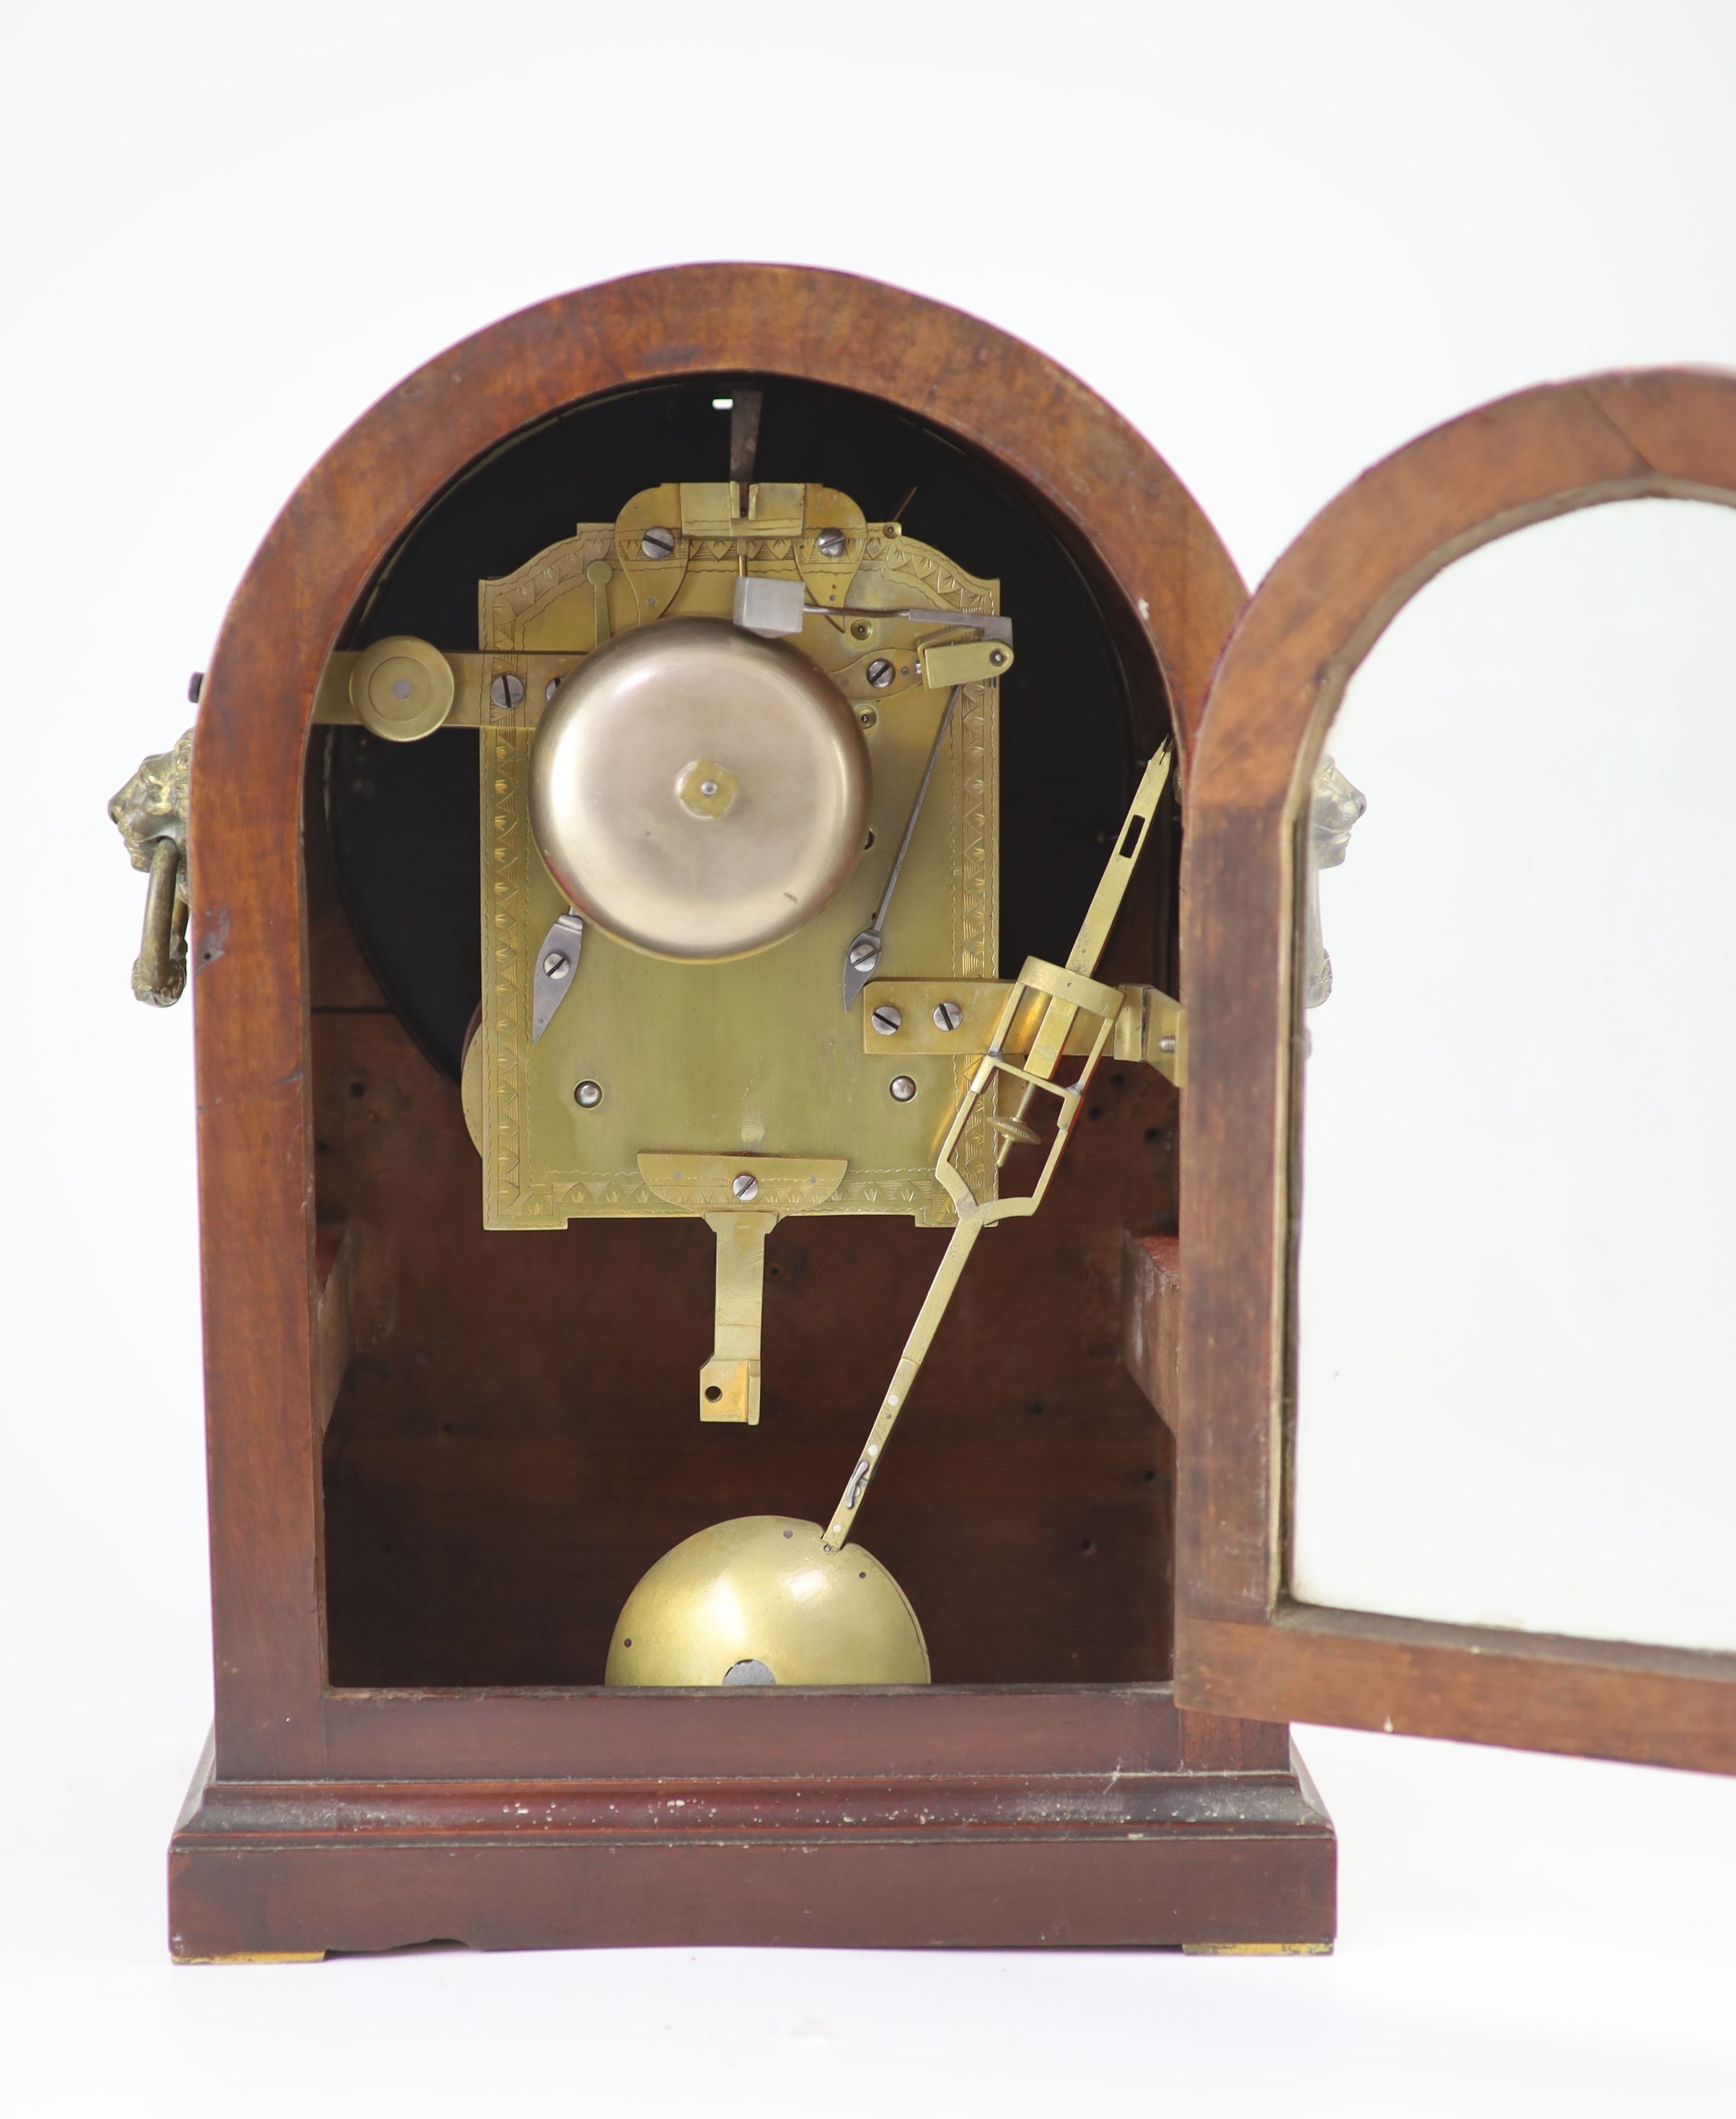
<point x="557" y="966"/>
<point x="880" y="673"/>
<point x="588" y="1095"/>
<point x="508" y="691"/>
<point x="746" y="1186"/>
<point x="903" y="1088"/>
<point x="887" y="1019"/>
<point x="948" y="1015"/>
<point x="657" y="544"/>
<point x="830" y="544"/>
<point x="863" y="956"/>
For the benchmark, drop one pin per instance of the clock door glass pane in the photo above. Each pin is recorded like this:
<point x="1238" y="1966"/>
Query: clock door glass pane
<point x="1515" y="1317"/>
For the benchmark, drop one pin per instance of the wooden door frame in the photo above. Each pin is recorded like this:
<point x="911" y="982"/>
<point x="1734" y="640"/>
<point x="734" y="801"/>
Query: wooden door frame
<point x="1244" y="1647"/>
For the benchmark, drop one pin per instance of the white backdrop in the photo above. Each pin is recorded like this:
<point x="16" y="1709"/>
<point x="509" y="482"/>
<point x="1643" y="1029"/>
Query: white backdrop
<point x="1282" y="240"/>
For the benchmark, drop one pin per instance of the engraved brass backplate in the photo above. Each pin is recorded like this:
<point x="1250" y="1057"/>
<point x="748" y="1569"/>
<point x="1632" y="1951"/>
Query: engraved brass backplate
<point x="757" y="1055"/>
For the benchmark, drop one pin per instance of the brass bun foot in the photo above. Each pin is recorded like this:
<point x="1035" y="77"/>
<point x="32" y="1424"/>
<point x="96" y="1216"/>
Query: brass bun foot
<point x="1256" y="1949"/>
<point x="759" y="1601"/>
<point x="260" y="1957"/>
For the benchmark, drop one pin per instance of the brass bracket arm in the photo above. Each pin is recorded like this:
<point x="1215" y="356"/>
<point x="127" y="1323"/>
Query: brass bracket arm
<point x="1153" y="1028"/>
<point x="955" y="1019"/>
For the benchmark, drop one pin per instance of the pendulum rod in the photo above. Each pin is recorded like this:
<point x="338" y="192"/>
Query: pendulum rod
<point x="1037" y="1070"/>
<point x="909" y="1362"/>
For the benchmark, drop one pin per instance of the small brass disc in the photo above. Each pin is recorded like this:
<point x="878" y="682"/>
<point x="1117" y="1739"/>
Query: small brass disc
<point x="758" y="1601"/>
<point x="401" y="687"/>
<point x="699" y="792"/>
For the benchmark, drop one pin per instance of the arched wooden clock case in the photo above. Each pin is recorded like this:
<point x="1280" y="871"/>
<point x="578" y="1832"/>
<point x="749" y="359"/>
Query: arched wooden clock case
<point x="440" y="1456"/>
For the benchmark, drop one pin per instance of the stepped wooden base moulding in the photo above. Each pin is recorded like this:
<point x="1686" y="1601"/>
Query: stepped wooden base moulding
<point x="1159" y="1855"/>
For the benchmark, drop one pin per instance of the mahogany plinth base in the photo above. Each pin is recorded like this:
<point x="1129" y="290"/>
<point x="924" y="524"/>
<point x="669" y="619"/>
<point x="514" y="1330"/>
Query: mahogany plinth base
<point x="1222" y="1858"/>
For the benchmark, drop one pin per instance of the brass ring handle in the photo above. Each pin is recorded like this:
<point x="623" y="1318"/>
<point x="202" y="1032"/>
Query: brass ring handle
<point x="151" y="814"/>
<point x="160" y="972"/>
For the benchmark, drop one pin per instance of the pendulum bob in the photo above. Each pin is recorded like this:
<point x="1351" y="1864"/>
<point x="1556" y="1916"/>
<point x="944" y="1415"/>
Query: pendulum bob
<point x="762" y="1601"/>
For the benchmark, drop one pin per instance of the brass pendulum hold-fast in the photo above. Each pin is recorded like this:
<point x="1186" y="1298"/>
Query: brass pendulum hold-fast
<point x="729" y="1382"/>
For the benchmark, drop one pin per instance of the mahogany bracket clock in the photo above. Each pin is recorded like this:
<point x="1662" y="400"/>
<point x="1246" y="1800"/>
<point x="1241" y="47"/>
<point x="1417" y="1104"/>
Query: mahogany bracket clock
<point x="680" y="871"/>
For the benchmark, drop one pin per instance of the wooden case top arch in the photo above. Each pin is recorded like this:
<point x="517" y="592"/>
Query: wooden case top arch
<point x="1245" y="1646"/>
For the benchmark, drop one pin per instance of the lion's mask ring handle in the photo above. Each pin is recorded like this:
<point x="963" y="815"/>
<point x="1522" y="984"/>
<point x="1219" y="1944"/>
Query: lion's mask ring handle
<point x="159" y="974"/>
